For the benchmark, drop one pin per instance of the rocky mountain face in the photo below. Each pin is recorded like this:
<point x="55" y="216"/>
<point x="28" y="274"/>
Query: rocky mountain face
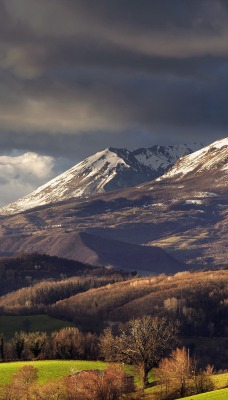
<point x="185" y="213"/>
<point x="104" y="171"/>
<point x="211" y="161"/>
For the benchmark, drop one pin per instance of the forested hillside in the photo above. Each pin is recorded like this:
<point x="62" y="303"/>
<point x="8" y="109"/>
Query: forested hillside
<point x="197" y="299"/>
<point x="29" y="269"/>
<point x="95" y="298"/>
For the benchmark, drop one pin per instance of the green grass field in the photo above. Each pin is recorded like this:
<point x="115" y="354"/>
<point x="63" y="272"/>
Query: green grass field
<point x="10" y="324"/>
<point x="220" y="382"/>
<point x="53" y="369"/>
<point x="48" y="370"/>
<point x="221" y="394"/>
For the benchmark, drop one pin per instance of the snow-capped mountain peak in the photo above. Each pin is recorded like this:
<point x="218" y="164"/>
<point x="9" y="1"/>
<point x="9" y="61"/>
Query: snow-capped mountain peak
<point x="162" y="157"/>
<point x="213" y="158"/>
<point x="107" y="170"/>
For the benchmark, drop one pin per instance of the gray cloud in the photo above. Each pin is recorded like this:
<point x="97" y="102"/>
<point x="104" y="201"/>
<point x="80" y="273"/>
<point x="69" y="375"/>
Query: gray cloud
<point x="78" y="76"/>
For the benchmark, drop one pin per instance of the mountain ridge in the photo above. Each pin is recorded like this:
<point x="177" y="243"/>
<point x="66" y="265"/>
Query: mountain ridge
<point x="107" y="170"/>
<point x="213" y="158"/>
<point x="187" y="217"/>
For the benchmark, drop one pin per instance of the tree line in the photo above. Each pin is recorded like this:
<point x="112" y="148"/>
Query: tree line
<point x="39" y="296"/>
<point x="66" y="343"/>
<point x="145" y="343"/>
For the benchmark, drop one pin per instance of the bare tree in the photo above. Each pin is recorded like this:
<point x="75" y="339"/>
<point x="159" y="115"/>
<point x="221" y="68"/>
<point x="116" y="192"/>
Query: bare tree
<point x="22" y="383"/>
<point x="67" y="343"/>
<point x="144" y="343"/>
<point x="35" y="342"/>
<point x="108" y="346"/>
<point x="98" y="385"/>
<point x="54" y="390"/>
<point x="18" y="343"/>
<point x="182" y="373"/>
<point x="2" y="346"/>
<point x="201" y="378"/>
<point x="175" y="369"/>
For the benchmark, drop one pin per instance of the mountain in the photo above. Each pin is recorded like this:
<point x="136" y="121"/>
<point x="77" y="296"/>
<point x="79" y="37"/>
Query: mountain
<point x="185" y="213"/>
<point x="104" y="171"/>
<point x="211" y="161"/>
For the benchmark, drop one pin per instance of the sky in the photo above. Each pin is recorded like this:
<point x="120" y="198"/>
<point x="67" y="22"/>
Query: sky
<point x="77" y="76"/>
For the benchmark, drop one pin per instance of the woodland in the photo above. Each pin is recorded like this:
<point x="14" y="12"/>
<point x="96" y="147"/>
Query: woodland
<point x="173" y="325"/>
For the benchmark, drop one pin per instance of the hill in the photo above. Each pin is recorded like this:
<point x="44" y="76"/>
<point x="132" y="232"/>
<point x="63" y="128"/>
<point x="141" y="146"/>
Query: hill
<point x="28" y="269"/>
<point x="197" y="299"/>
<point x="191" y="296"/>
<point x="37" y="296"/>
<point x="90" y="250"/>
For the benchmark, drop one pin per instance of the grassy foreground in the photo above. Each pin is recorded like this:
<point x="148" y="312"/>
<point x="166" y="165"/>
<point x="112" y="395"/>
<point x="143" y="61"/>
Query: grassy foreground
<point x="220" y="382"/>
<point x="53" y="369"/>
<point x="48" y="370"/>
<point x="10" y="324"/>
<point x="221" y="394"/>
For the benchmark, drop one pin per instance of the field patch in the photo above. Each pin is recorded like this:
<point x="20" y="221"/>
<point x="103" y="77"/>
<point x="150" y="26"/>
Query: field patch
<point x="220" y="380"/>
<point x="48" y="370"/>
<point x="10" y="324"/>
<point x="221" y="394"/>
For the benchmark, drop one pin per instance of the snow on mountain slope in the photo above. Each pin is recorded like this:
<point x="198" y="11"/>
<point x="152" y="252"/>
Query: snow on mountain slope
<point x="212" y="159"/>
<point x="80" y="180"/>
<point x="107" y="170"/>
<point x="162" y="157"/>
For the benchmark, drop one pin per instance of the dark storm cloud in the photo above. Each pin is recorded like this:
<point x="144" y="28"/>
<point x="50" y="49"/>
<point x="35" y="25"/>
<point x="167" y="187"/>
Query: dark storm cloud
<point x="77" y="76"/>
